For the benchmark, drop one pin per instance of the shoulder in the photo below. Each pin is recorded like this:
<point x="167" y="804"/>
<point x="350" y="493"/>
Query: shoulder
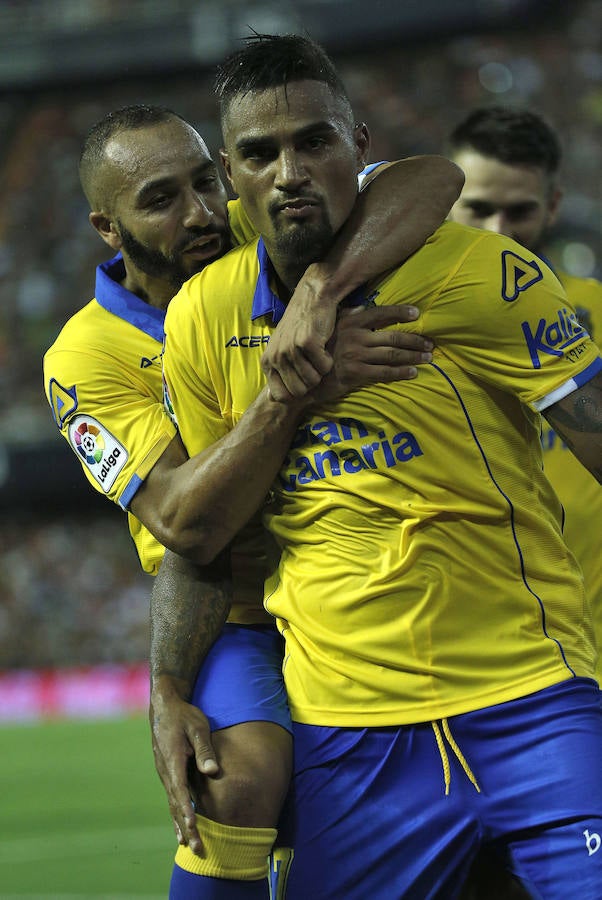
<point x="84" y="331"/>
<point x="219" y="284"/>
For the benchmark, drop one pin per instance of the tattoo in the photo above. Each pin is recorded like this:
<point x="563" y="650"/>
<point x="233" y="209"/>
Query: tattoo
<point x="189" y="605"/>
<point x="582" y="413"/>
<point x="578" y="420"/>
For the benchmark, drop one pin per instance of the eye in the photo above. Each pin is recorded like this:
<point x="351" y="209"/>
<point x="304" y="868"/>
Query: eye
<point x="158" y="201"/>
<point x="258" y="153"/>
<point x="316" y="142"/>
<point x="206" y="183"/>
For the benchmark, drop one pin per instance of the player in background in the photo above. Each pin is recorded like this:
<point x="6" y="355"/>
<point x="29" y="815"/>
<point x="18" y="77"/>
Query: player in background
<point x="156" y="199"/>
<point x="511" y="158"/>
<point x="425" y="688"/>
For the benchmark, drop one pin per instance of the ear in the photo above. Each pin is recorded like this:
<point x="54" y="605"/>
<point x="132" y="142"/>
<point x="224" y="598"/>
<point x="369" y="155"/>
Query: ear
<point x="225" y="160"/>
<point x="106" y="229"/>
<point x="553" y="206"/>
<point x="362" y="144"/>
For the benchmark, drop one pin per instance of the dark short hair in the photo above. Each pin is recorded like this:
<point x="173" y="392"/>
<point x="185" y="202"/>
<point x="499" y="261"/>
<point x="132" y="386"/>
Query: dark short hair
<point x="127" y="118"/>
<point x="273" y="60"/>
<point x="511" y="135"/>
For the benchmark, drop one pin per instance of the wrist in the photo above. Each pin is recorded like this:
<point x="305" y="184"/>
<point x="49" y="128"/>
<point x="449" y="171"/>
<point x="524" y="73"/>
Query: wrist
<point x="328" y="284"/>
<point x="165" y="688"/>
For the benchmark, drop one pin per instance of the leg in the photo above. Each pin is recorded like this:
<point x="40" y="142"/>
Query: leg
<point x="240" y="690"/>
<point x="539" y="761"/>
<point x="372" y="820"/>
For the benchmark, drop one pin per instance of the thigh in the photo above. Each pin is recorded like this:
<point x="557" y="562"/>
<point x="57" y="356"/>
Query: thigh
<point x="371" y="817"/>
<point x="241" y="691"/>
<point x="538" y="760"/>
<point x="241" y="679"/>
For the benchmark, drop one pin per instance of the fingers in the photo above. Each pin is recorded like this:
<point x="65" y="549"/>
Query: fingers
<point x="295" y="374"/>
<point x="204" y="754"/>
<point x="381" y="316"/>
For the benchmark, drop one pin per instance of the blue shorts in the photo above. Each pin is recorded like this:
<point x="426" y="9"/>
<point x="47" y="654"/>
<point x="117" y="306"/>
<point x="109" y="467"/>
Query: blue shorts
<point x="241" y="678"/>
<point x="392" y="813"/>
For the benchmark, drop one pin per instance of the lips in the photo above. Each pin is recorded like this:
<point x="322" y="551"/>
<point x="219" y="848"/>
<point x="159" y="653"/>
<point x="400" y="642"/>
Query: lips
<point x="298" y="208"/>
<point x="204" y="247"/>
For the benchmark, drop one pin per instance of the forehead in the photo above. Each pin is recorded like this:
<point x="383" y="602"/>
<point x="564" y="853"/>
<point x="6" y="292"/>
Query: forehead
<point x="279" y="111"/>
<point x="166" y="150"/>
<point x="490" y="178"/>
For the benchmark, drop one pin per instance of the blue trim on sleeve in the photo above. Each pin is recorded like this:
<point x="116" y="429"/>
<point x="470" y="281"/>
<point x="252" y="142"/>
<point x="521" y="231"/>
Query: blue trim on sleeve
<point x="113" y="297"/>
<point x="588" y="373"/>
<point x="129" y="492"/>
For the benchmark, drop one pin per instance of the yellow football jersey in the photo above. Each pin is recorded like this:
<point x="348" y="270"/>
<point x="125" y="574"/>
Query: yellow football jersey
<point x="103" y="380"/>
<point x="423" y="571"/>
<point x="577" y="488"/>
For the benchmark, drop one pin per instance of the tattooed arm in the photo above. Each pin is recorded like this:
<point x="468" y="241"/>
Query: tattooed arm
<point x="189" y="606"/>
<point x="577" y="418"/>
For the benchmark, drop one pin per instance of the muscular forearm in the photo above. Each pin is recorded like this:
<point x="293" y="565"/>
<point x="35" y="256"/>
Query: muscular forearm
<point x="189" y="606"/>
<point x="210" y="497"/>
<point x="393" y="216"/>
<point x="577" y="418"/>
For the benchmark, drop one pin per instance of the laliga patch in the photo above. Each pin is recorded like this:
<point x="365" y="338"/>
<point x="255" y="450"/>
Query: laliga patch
<point x="103" y="455"/>
<point x="518" y="274"/>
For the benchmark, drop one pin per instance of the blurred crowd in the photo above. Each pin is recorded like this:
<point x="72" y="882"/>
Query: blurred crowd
<point x="73" y="594"/>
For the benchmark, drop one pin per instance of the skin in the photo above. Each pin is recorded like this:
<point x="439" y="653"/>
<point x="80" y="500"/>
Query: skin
<point x="293" y="157"/>
<point x="163" y="205"/>
<point x="158" y="199"/>
<point x="519" y="201"/>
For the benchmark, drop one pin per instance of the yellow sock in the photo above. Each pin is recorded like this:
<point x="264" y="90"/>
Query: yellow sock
<point x="229" y="851"/>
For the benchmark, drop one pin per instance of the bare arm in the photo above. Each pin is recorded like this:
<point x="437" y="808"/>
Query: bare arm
<point x="393" y="216"/>
<point x="577" y="418"/>
<point x="187" y="504"/>
<point x="189" y="606"/>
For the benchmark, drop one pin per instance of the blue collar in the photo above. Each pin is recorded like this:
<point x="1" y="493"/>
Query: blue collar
<point x="113" y="297"/>
<point x="266" y="302"/>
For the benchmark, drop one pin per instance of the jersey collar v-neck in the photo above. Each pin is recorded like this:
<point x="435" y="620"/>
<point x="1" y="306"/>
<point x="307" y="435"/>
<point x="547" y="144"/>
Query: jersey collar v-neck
<point x="116" y="299"/>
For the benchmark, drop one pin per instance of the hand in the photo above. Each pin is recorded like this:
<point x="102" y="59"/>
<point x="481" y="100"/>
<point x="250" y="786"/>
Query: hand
<point x="180" y="733"/>
<point x="296" y="359"/>
<point x="363" y="354"/>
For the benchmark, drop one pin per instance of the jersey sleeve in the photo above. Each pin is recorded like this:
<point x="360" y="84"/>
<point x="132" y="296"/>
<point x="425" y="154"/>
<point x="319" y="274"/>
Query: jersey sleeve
<point x="189" y="373"/>
<point x="241" y="227"/>
<point x="113" y="423"/>
<point x="504" y="317"/>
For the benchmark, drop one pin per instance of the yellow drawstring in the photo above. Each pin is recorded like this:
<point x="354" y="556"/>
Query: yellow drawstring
<point x="457" y="751"/>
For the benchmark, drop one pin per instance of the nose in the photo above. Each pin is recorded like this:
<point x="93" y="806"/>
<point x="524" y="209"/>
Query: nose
<point x="290" y="173"/>
<point x="197" y="212"/>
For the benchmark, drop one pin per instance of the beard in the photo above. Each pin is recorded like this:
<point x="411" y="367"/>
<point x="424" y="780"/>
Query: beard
<point x="302" y="243"/>
<point x="170" y="267"/>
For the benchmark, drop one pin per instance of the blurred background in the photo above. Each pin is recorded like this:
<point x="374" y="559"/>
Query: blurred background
<point x="82" y="814"/>
<point x="71" y="594"/>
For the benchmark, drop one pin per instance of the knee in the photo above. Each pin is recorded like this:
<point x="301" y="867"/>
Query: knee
<point x="255" y="769"/>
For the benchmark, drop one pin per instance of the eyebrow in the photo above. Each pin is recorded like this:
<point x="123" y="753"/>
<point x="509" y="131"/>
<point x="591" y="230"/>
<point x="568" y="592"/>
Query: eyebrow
<point x="254" y="143"/>
<point x="158" y="184"/>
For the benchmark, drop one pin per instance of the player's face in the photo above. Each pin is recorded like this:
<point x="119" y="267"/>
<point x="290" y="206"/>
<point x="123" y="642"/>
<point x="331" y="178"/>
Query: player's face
<point x="293" y="155"/>
<point x="516" y="200"/>
<point x="168" y="202"/>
